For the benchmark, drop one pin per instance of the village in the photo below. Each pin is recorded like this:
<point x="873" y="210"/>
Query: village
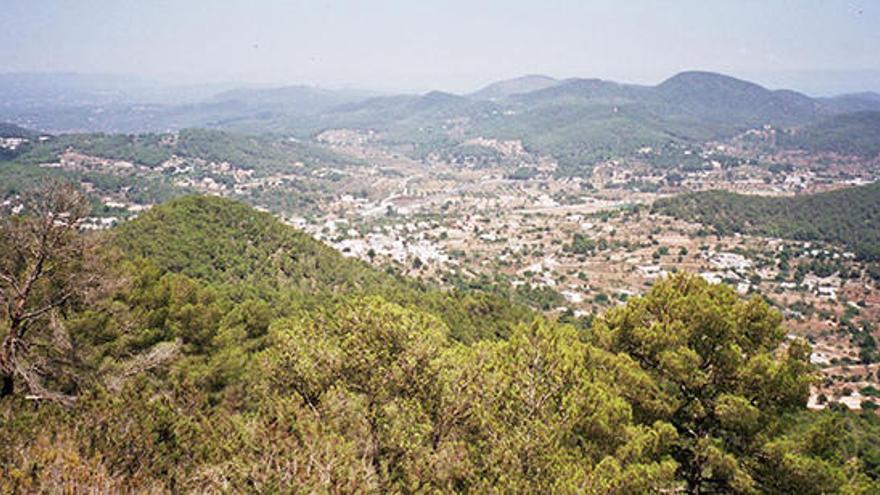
<point x="569" y="246"/>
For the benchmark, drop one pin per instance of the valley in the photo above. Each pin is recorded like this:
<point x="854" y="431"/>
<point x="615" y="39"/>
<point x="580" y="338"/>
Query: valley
<point x="440" y="247"/>
<point x="287" y="262"/>
<point x="570" y="246"/>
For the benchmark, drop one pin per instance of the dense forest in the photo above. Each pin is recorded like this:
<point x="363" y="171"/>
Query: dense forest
<point x="850" y="217"/>
<point x="845" y="134"/>
<point x="205" y="347"/>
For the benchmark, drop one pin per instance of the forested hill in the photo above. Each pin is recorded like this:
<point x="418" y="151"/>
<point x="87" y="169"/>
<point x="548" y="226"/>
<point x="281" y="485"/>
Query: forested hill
<point x="206" y="348"/>
<point x="846" y="134"/>
<point x="850" y="217"/>
<point x="13" y="131"/>
<point x="221" y="241"/>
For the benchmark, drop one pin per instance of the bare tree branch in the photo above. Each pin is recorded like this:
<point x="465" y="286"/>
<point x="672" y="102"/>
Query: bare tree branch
<point x="42" y="268"/>
<point x="160" y="354"/>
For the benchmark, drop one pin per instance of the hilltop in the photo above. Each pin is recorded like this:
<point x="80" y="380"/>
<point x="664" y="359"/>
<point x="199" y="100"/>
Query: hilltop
<point x="8" y="130"/>
<point x="515" y="86"/>
<point x="711" y="98"/>
<point x="226" y="241"/>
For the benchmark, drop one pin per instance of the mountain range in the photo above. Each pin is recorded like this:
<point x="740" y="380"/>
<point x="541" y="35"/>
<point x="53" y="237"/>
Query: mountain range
<point x="575" y="120"/>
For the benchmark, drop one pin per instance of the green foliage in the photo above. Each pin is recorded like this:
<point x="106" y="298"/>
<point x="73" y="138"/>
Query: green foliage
<point x="581" y="244"/>
<point x="827" y="452"/>
<point x="845" y="134"/>
<point x="234" y="354"/>
<point x="578" y="133"/>
<point x="222" y="241"/>
<point x="714" y="359"/>
<point x="847" y="216"/>
<point x="540" y="413"/>
<point x="225" y="241"/>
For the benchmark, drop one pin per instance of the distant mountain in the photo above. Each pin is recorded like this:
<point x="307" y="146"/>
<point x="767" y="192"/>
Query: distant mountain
<point x="31" y="89"/>
<point x="865" y="96"/>
<point x="854" y="102"/>
<point x="71" y="102"/>
<point x="61" y="89"/>
<point x="582" y="90"/>
<point x="504" y="89"/>
<point x="718" y="99"/>
<point x="8" y="130"/>
<point x="713" y="99"/>
<point x="297" y="99"/>
<point x="405" y="113"/>
<point x="577" y="121"/>
<point x="434" y="100"/>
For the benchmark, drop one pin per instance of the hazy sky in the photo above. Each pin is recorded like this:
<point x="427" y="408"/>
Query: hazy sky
<point x="817" y="46"/>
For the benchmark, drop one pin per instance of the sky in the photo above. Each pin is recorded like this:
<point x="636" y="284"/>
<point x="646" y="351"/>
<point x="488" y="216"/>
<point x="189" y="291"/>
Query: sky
<point x="816" y="46"/>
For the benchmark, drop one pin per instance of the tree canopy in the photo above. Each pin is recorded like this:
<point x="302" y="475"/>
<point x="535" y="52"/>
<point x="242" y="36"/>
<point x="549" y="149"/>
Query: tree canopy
<point x="231" y="353"/>
<point x="849" y="217"/>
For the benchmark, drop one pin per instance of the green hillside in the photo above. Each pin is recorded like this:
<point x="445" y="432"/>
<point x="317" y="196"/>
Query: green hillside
<point x="846" y="134"/>
<point x="263" y="153"/>
<point x="723" y="102"/>
<point x="223" y="241"/>
<point x="8" y="130"/>
<point x="582" y="121"/>
<point x="577" y="121"/>
<point x="226" y="241"/>
<point x="849" y="217"/>
<point x="217" y="350"/>
<point x="580" y="133"/>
